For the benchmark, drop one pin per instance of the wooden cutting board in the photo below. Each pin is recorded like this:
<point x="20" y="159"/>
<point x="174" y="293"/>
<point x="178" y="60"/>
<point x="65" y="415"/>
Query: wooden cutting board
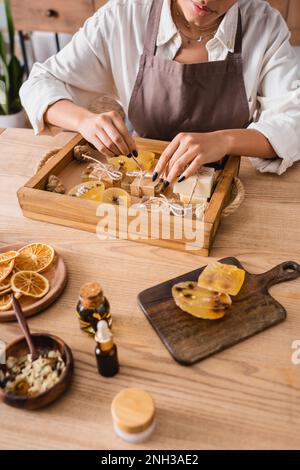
<point x="189" y="339"/>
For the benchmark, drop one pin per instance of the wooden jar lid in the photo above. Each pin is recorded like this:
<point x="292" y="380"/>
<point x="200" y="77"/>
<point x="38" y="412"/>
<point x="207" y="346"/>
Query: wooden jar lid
<point x="133" y="410"/>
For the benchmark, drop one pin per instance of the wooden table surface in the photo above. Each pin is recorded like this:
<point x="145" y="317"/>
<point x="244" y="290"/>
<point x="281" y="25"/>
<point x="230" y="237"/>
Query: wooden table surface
<point x="245" y="397"/>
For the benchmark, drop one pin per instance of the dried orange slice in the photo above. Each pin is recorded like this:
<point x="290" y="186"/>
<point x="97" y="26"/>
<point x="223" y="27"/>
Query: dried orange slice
<point x="222" y="278"/>
<point x="6" y="301"/>
<point x="30" y="283"/>
<point x="5" y="291"/>
<point x="200" y="303"/>
<point x="6" y="269"/>
<point x="34" y="257"/>
<point x="6" y="284"/>
<point x="8" y="256"/>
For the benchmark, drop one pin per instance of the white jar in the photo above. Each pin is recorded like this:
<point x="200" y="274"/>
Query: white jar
<point x="133" y="413"/>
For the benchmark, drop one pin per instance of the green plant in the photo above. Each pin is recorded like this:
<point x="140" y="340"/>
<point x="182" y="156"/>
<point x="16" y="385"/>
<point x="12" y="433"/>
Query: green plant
<point x="12" y="72"/>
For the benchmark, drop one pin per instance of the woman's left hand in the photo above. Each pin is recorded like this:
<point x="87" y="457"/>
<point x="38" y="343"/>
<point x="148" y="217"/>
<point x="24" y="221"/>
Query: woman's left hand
<point x="188" y="152"/>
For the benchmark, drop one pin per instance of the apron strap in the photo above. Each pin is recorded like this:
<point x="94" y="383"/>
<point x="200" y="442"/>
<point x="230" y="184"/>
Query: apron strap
<point x="153" y="26"/>
<point x="239" y="35"/>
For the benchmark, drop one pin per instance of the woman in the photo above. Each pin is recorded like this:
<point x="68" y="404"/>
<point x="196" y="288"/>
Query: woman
<point x="215" y="77"/>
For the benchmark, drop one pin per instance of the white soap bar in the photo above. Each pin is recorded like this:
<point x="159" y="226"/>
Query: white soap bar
<point x="195" y="200"/>
<point x="204" y="185"/>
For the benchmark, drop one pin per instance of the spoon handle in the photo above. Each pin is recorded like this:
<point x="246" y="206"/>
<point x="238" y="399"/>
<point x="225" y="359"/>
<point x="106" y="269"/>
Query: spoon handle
<point x="24" y="327"/>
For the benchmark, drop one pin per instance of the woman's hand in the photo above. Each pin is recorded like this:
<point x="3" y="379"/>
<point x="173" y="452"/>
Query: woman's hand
<point x="188" y="152"/>
<point x="108" y="133"/>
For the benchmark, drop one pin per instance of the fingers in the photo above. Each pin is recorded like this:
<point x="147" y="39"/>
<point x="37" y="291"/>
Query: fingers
<point x="101" y="147"/>
<point x="107" y="141"/>
<point x="167" y="154"/>
<point x="124" y="133"/>
<point x="192" y="169"/>
<point x="179" y="166"/>
<point x="113" y="134"/>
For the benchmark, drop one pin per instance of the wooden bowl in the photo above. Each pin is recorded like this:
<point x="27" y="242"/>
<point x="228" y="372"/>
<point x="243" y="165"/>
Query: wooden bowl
<point x="56" y="275"/>
<point x="42" y="341"/>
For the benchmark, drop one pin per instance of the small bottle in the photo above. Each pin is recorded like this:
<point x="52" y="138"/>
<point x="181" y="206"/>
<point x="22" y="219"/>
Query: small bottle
<point x="133" y="413"/>
<point x="106" y="351"/>
<point x="92" y="307"/>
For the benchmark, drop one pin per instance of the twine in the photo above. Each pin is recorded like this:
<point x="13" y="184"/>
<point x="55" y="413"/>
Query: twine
<point x="46" y="158"/>
<point x="238" y="199"/>
<point x="165" y="205"/>
<point x="113" y="174"/>
<point x="139" y="174"/>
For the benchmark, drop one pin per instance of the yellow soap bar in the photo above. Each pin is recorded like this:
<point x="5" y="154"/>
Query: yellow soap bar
<point x="223" y="278"/>
<point x="95" y="194"/>
<point x="92" y="190"/>
<point x="200" y="303"/>
<point x="145" y="159"/>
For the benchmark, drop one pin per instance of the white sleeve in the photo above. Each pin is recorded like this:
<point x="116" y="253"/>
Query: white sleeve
<point x="80" y="72"/>
<point x="278" y="117"/>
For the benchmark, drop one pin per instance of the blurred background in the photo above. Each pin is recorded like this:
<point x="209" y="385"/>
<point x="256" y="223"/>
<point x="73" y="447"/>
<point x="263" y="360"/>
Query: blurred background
<point x="42" y="27"/>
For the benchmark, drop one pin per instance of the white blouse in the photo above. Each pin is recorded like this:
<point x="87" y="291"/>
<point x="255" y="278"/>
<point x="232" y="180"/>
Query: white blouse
<point x="103" y="59"/>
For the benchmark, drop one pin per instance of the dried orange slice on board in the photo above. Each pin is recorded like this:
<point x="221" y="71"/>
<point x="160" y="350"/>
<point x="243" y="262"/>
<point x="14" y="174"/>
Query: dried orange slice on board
<point x="6" y="269"/>
<point x="200" y="303"/>
<point x="221" y="277"/>
<point x="8" y="256"/>
<point x="34" y="257"/>
<point x="6" y="284"/>
<point x="6" y="301"/>
<point x="30" y="283"/>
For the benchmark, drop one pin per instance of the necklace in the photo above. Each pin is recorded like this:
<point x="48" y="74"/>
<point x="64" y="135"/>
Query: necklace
<point x="200" y="39"/>
<point x="187" y="25"/>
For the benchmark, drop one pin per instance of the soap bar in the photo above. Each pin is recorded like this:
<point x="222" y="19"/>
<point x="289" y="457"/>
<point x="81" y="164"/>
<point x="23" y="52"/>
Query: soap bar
<point x="145" y="160"/>
<point x="100" y="175"/>
<point x="145" y="187"/>
<point x="125" y="183"/>
<point x="204" y="185"/>
<point x="223" y="278"/>
<point x="199" y="302"/>
<point x="195" y="200"/>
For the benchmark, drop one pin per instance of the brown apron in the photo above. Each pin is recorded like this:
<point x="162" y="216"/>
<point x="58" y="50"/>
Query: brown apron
<point x="170" y="97"/>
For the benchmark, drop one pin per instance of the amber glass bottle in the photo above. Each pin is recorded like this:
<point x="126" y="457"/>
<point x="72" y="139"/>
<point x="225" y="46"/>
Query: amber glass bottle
<point x="106" y="351"/>
<point x="92" y="307"/>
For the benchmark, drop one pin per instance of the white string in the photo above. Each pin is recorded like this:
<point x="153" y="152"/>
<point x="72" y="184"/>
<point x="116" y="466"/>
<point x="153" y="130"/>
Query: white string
<point x="194" y="188"/>
<point x="135" y="174"/>
<point x="113" y="174"/>
<point x="165" y="205"/>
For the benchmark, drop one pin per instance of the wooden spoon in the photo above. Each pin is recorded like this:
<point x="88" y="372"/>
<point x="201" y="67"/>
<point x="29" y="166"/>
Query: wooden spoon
<point x="24" y="327"/>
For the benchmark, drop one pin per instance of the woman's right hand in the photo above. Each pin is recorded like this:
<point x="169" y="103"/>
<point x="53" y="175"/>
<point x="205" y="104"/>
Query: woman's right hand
<point x="108" y="133"/>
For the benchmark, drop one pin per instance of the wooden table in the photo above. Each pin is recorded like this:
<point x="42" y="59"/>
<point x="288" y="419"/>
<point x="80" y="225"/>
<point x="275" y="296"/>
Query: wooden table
<point x="245" y="397"/>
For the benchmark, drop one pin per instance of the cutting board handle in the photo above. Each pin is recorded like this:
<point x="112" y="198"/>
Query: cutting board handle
<point x="284" y="272"/>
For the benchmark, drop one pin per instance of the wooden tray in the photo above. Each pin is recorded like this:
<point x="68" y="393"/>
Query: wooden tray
<point x="36" y="203"/>
<point x="190" y="340"/>
<point x="57" y="276"/>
